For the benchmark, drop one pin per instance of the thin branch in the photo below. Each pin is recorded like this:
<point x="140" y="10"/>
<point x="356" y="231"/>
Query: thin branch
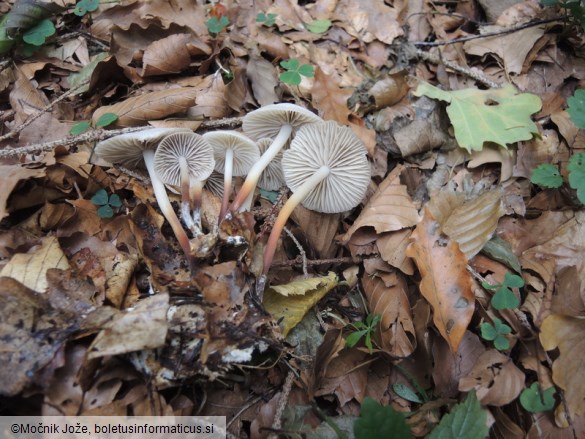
<point x="282" y="403"/>
<point x="310" y="262"/>
<point x="46" y="109"/>
<point x="486" y="35"/>
<point x="302" y="252"/>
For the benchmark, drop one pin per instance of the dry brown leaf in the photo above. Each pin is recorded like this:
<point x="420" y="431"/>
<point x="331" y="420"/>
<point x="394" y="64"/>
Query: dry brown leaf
<point x="368" y="20"/>
<point x="25" y="99"/>
<point x="389" y="209"/>
<point x="319" y="228"/>
<point x="495" y="378"/>
<point x="30" y="269"/>
<point x="142" y="327"/>
<point x="329" y="98"/>
<point x="567" y="334"/>
<point x="167" y="55"/>
<point x="494" y="154"/>
<point x="10" y="175"/>
<point x="264" y="80"/>
<point x="136" y="111"/>
<point x="392" y="247"/>
<point x="211" y="99"/>
<point x="446" y="283"/>
<point x="395" y="333"/>
<point x="473" y="223"/>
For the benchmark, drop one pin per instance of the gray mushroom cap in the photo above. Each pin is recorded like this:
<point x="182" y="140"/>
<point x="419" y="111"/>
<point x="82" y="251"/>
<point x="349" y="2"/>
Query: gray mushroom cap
<point x="194" y="148"/>
<point x="266" y="121"/>
<point x="245" y="151"/>
<point x="337" y="147"/>
<point x="272" y="177"/>
<point x="127" y="149"/>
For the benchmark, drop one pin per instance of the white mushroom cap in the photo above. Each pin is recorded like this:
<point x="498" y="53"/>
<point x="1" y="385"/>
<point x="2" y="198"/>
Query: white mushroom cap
<point x="338" y="148"/>
<point x="272" y="177"/>
<point x="266" y="121"/>
<point x="194" y="148"/>
<point x="127" y="149"/>
<point x="245" y="151"/>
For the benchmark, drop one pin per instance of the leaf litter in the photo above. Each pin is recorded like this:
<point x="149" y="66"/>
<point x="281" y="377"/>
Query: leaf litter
<point x="93" y="305"/>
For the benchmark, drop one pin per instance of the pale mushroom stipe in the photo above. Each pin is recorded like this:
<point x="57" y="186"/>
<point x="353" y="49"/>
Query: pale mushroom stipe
<point x="133" y="149"/>
<point x="279" y="122"/>
<point x="234" y="155"/>
<point x="186" y="160"/>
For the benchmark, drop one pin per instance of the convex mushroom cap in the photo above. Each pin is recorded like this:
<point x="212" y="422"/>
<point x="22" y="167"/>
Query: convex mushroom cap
<point x="337" y="148"/>
<point x="279" y="122"/>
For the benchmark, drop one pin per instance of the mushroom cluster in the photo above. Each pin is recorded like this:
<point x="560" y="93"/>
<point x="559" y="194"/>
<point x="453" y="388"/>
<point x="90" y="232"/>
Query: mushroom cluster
<point x="323" y="163"/>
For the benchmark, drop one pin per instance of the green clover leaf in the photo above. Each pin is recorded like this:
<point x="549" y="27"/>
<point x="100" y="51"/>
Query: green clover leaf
<point x="38" y="34"/>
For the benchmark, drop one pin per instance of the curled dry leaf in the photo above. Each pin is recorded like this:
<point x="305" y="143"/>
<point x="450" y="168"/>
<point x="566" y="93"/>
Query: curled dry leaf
<point x="167" y="55"/>
<point x="263" y="79"/>
<point x="10" y="175"/>
<point x="392" y="247"/>
<point x="136" y="111"/>
<point x="446" y="283"/>
<point x="389" y="300"/>
<point x="495" y="378"/>
<point x="389" y="209"/>
<point x="495" y="154"/>
<point x="473" y="223"/>
<point x="567" y="334"/>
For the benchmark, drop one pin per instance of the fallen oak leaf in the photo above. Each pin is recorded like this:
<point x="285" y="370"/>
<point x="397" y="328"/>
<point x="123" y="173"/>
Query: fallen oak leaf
<point x="446" y="284"/>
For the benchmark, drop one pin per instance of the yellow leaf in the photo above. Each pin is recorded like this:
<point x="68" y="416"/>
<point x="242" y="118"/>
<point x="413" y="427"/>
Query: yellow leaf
<point x="278" y="301"/>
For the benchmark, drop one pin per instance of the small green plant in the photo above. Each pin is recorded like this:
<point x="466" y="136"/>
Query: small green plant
<point x="534" y="400"/>
<point x="107" y="203"/>
<point x="86" y="7"/>
<point x="576" y="108"/>
<point x="363" y="329"/>
<point x="546" y="175"/>
<point x="377" y="420"/>
<point x="496" y="333"/>
<point x="319" y="26"/>
<point x="266" y="19"/>
<point x="466" y="420"/>
<point x="294" y="71"/>
<point x="216" y="26"/>
<point x="37" y="35"/>
<point x="505" y="297"/>
<point x="574" y="8"/>
<point x="103" y="121"/>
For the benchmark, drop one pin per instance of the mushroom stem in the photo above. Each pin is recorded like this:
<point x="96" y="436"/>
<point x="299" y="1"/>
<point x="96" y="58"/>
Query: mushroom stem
<point x="195" y="189"/>
<point x="160" y="193"/>
<point x="243" y="199"/>
<point x="185" y="189"/>
<point x="227" y="182"/>
<point x="287" y="210"/>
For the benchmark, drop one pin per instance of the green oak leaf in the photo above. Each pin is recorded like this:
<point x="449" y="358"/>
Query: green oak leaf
<point x="501" y="116"/>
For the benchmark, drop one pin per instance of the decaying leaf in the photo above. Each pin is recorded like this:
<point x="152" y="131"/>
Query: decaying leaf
<point x="495" y="378"/>
<point x="473" y="223"/>
<point x="292" y="301"/>
<point x="501" y="116"/>
<point x="167" y="55"/>
<point x="387" y="298"/>
<point x="389" y="209"/>
<point x="136" y="111"/>
<point x="30" y="269"/>
<point x="264" y="80"/>
<point x="446" y="283"/>
<point x="567" y="334"/>
<point x="10" y="176"/>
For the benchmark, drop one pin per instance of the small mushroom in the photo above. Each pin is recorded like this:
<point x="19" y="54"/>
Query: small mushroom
<point x="272" y="177"/>
<point x="327" y="170"/>
<point x="133" y="149"/>
<point x="185" y="160"/>
<point x="277" y="121"/>
<point x="234" y="155"/>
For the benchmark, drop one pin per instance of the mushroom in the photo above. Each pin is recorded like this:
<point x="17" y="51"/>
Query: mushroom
<point x="234" y="155"/>
<point x="185" y="160"/>
<point x="130" y="150"/>
<point x="277" y="121"/>
<point x="272" y="177"/>
<point x="327" y="170"/>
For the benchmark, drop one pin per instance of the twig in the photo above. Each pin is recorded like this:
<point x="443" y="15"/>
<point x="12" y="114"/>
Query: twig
<point x="226" y="122"/>
<point x="310" y="262"/>
<point x="90" y="136"/>
<point x="486" y="35"/>
<point x="243" y="409"/>
<point x="44" y="110"/>
<point x="301" y="250"/>
<point x="282" y="402"/>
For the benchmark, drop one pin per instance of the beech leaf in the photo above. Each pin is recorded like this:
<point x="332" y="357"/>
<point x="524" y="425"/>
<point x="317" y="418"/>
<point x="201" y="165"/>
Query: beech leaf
<point x="568" y="335"/>
<point x="446" y="284"/>
<point x="501" y="116"/>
